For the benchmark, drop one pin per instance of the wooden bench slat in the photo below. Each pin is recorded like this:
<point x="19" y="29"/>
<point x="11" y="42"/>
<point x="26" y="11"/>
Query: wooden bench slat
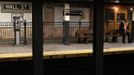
<point x="84" y="34"/>
<point x="114" y="34"/>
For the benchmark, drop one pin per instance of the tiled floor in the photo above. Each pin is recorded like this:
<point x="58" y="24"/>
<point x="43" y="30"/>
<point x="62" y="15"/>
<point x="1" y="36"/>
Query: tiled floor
<point x="61" y="49"/>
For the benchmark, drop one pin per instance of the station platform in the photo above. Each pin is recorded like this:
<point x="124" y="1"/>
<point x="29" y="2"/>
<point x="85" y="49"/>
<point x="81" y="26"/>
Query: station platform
<point x="59" y="50"/>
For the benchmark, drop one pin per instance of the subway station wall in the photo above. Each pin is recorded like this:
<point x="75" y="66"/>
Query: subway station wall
<point x="58" y="14"/>
<point x="7" y="16"/>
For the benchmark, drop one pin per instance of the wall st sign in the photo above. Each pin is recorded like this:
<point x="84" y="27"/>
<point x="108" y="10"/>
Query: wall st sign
<point x="16" y="8"/>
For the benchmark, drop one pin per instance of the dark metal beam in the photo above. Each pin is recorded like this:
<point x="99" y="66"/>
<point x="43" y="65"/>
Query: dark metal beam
<point x="66" y="38"/>
<point x="16" y="0"/>
<point x="98" y="29"/>
<point x="132" y="33"/>
<point x="37" y="29"/>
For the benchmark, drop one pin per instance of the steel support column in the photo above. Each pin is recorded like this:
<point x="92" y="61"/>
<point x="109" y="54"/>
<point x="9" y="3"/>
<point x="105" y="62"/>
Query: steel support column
<point x="37" y="31"/>
<point x="98" y="37"/>
<point x="66" y="38"/>
<point x="132" y="33"/>
<point x="66" y="27"/>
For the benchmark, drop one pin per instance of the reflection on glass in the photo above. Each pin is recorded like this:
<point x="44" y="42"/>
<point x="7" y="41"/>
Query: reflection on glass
<point x="118" y="28"/>
<point x="15" y="29"/>
<point x="80" y="28"/>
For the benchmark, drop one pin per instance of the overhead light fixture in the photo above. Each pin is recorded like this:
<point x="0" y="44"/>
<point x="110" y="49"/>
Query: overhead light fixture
<point x="131" y="9"/>
<point x="115" y="8"/>
<point x="116" y="1"/>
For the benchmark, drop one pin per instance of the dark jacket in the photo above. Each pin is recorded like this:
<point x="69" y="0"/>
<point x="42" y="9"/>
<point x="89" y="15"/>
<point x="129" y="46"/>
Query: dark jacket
<point x="121" y="27"/>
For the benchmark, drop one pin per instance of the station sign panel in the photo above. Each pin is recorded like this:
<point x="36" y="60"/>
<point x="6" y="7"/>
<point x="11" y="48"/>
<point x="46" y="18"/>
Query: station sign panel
<point x="15" y="7"/>
<point x="73" y="13"/>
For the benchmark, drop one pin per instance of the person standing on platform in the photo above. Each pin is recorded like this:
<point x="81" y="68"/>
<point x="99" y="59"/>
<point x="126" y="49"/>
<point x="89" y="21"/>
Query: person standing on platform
<point x="124" y="30"/>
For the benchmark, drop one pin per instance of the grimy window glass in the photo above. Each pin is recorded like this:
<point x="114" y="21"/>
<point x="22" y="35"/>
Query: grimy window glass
<point x="15" y="36"/>
<point x="119" y="35"/>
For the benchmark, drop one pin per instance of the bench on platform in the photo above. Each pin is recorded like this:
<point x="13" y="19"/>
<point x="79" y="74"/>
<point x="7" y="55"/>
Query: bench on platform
<point x="84" y="35"/>
<point x="112" y="35"/>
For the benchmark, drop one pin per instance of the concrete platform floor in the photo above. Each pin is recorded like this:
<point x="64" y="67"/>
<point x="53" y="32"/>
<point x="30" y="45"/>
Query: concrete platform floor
<point x="54" y="49"/>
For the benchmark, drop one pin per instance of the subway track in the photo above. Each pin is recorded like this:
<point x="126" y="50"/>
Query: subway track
<point x="117" y="64"/>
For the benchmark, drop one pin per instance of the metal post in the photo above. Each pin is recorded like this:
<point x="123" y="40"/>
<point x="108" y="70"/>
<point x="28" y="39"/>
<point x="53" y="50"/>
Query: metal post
<point x="98" y="37"/>
<point x="17" y="32"/>
<point x="37" y="31"/>
<point x="66" y="36"/>
<point x="66" y="33"/>
<point x="132" y="33"/>
<point x="25" y="40"/>
<point x="14" y="33"/>
<point x="17" y="37"/>
<point x="79" y="24"/>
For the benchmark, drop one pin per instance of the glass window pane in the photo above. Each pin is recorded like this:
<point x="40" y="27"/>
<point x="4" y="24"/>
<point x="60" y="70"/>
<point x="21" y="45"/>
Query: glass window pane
<point x="15" y="37"/>
<point x="56" y="18"/>
<point x="118" y="37"/>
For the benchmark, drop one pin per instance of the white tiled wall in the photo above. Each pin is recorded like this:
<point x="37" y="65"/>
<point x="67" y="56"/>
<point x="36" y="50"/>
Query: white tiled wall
<point x="28" y="17"/>
<point x="6" y="17"/>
